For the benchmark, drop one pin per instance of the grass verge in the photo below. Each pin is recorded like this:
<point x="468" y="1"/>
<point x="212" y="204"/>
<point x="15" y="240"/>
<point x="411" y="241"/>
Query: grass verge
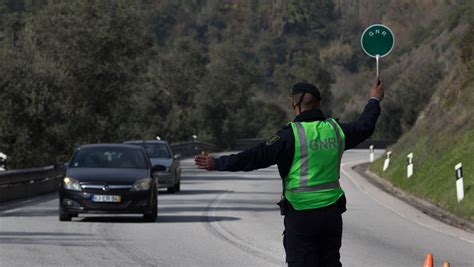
<point x="434" y="176"/>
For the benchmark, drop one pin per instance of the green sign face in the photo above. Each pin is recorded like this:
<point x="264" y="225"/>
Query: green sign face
<point x="378" y="40"/>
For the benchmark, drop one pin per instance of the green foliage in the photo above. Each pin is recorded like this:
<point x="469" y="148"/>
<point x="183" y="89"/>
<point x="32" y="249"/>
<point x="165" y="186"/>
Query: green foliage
<point x="172" y="84"/>
<point x="68" y="77"/>
<point x="310" y="17"/>
<point x="225" y="102"/>
<point x="76" y="72"/>
<point x="434" y="161"/>
<point x="440" y="139"/>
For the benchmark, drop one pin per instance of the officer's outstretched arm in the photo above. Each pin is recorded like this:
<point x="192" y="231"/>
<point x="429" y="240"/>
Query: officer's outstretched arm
<point x="260" y="156"/>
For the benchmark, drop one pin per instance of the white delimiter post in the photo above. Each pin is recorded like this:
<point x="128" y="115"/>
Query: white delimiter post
<point x="459" y="182"/>
<point x="386" y="163"/>
<point x="371" y="149"/>
<point x="410" y="165"/>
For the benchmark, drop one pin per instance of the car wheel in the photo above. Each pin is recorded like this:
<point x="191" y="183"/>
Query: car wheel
<point x="153" y="213"/>
<point x="172" y="189"/>
<point x="178" y="186"/>
<point x="63" y="215"/>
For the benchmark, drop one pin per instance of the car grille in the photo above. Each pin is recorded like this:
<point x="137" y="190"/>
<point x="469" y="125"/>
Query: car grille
<point x="111" y="189"/>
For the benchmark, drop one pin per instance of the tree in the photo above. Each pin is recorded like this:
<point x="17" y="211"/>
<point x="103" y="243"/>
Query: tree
<point x="172" y="84"/>
<point x="226" y="95"/>
<point x="69" y="78"/>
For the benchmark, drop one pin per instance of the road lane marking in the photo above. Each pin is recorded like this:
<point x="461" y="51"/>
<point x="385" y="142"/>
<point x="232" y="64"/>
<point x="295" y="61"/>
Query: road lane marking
<point x="420" y="213"/>
<point x="219" y="231"/>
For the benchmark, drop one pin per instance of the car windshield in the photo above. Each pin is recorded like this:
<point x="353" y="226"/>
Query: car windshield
<point x="108" y="157"/>
<point x="156" y="150"/>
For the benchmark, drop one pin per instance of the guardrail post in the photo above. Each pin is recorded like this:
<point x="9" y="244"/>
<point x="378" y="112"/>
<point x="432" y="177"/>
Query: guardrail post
<point x="386" y="163"/>
<point x="410" y="165"/>
<point x="459" y="182"/>
<point x="371" y="151"/>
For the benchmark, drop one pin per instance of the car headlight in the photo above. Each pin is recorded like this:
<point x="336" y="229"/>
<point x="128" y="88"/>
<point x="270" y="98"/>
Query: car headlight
<point x="72" y="184"/>
<point x="142" y="184"/>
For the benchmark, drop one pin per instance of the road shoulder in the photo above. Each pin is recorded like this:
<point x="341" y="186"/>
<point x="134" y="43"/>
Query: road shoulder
<point x="425" y="206"/>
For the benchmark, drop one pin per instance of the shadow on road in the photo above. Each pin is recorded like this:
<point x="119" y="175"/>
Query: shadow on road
<point x="161" y="219"/>
<point x="192" y="219"/>
<point x="40" y="234"/>
<point x="229" y="208"/>
<point x="32" y="213"/>
<point x="198" y="192"/>
<point x="49" y="239"/>
<point x="111" y="219"/>
<point x="225" y="177"/>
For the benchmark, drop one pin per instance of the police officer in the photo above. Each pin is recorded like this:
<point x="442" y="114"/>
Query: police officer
<point x="308" y="153"/>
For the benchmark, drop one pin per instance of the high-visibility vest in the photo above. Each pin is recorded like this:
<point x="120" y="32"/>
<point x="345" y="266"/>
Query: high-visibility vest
<point x="313" y="180"/>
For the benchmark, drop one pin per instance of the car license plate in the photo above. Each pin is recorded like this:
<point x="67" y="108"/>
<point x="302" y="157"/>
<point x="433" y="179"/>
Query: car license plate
<point x="106" y="198"/>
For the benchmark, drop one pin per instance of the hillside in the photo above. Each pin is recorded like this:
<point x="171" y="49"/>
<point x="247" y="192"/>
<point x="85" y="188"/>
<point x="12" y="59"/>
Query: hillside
<point x="426" y="46"/>
<point x="76" y="72"/>
<point x="442" y="136"/>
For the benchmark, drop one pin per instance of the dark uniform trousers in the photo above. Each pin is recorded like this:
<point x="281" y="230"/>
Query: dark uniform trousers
<point x="313" y="237"/>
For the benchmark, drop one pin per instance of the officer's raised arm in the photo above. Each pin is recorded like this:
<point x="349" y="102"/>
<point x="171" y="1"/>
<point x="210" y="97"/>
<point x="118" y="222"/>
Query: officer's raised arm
<point x="358" y="131"/>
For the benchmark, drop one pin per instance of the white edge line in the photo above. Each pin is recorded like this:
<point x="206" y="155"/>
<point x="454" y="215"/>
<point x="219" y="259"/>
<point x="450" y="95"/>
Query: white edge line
<point x="398" y="213"/>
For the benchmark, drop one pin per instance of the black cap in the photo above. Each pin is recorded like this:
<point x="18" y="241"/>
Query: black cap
<point x="306" y="88"/>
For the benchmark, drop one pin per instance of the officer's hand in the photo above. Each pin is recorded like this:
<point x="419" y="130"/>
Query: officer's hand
<point x="377" y="89"/>
<point x="204" y="162"/>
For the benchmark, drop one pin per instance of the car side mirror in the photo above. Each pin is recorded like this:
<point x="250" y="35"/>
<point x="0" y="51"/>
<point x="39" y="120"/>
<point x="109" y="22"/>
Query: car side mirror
<point x="60" y="167"/>
<point x="158" y="168"/>
<point x="177" y="156"/>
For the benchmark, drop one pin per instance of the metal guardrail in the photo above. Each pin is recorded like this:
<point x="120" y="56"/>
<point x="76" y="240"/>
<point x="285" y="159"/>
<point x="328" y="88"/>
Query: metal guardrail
<point x="243" y="144"/>
<point x="187" y="149"/>
<point x="27" y="175"/>
<point x="15" y="184"/>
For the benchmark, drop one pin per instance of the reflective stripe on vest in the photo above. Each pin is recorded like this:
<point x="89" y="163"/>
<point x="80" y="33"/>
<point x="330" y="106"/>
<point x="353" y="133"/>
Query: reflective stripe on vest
<point x="319" y="187"/>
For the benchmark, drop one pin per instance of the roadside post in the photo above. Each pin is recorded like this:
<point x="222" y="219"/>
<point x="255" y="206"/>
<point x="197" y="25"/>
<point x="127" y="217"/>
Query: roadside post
<point x="409" y="165"/>
<point x="386" y="163"/>
<point x="3" y="161"/>
<point x="371" y="151"/>
<point x="459" y="182"/>
<point x="194" y="141"/>
<point x="377" y="41"/>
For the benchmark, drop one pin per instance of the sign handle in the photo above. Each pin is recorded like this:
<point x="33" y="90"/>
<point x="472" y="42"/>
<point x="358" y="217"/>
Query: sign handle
<point x="377" y="57"/>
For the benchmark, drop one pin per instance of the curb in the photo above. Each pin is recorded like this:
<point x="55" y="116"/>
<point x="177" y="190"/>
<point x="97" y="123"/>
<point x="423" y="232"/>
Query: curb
<point x="425" y="206"/>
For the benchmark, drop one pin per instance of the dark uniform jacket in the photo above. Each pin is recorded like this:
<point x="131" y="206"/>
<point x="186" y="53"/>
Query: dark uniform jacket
<point x="280" y="148"/>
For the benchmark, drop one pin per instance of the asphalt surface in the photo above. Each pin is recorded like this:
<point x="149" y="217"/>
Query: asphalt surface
<point x="226" y="219"/>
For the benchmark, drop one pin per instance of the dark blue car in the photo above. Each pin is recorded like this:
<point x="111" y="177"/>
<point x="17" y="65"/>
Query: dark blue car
<point x="109" y="178"/>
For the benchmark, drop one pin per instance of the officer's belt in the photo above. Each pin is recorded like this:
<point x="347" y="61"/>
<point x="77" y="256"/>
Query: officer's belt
<point x="318" y="187"/>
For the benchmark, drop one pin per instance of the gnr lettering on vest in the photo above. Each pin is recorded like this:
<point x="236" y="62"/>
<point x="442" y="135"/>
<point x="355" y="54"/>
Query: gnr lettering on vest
<point x="323" y="144"/>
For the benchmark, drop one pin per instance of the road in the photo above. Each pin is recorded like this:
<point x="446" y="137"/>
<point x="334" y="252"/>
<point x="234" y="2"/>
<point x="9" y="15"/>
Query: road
<point x="226" y="219"/>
